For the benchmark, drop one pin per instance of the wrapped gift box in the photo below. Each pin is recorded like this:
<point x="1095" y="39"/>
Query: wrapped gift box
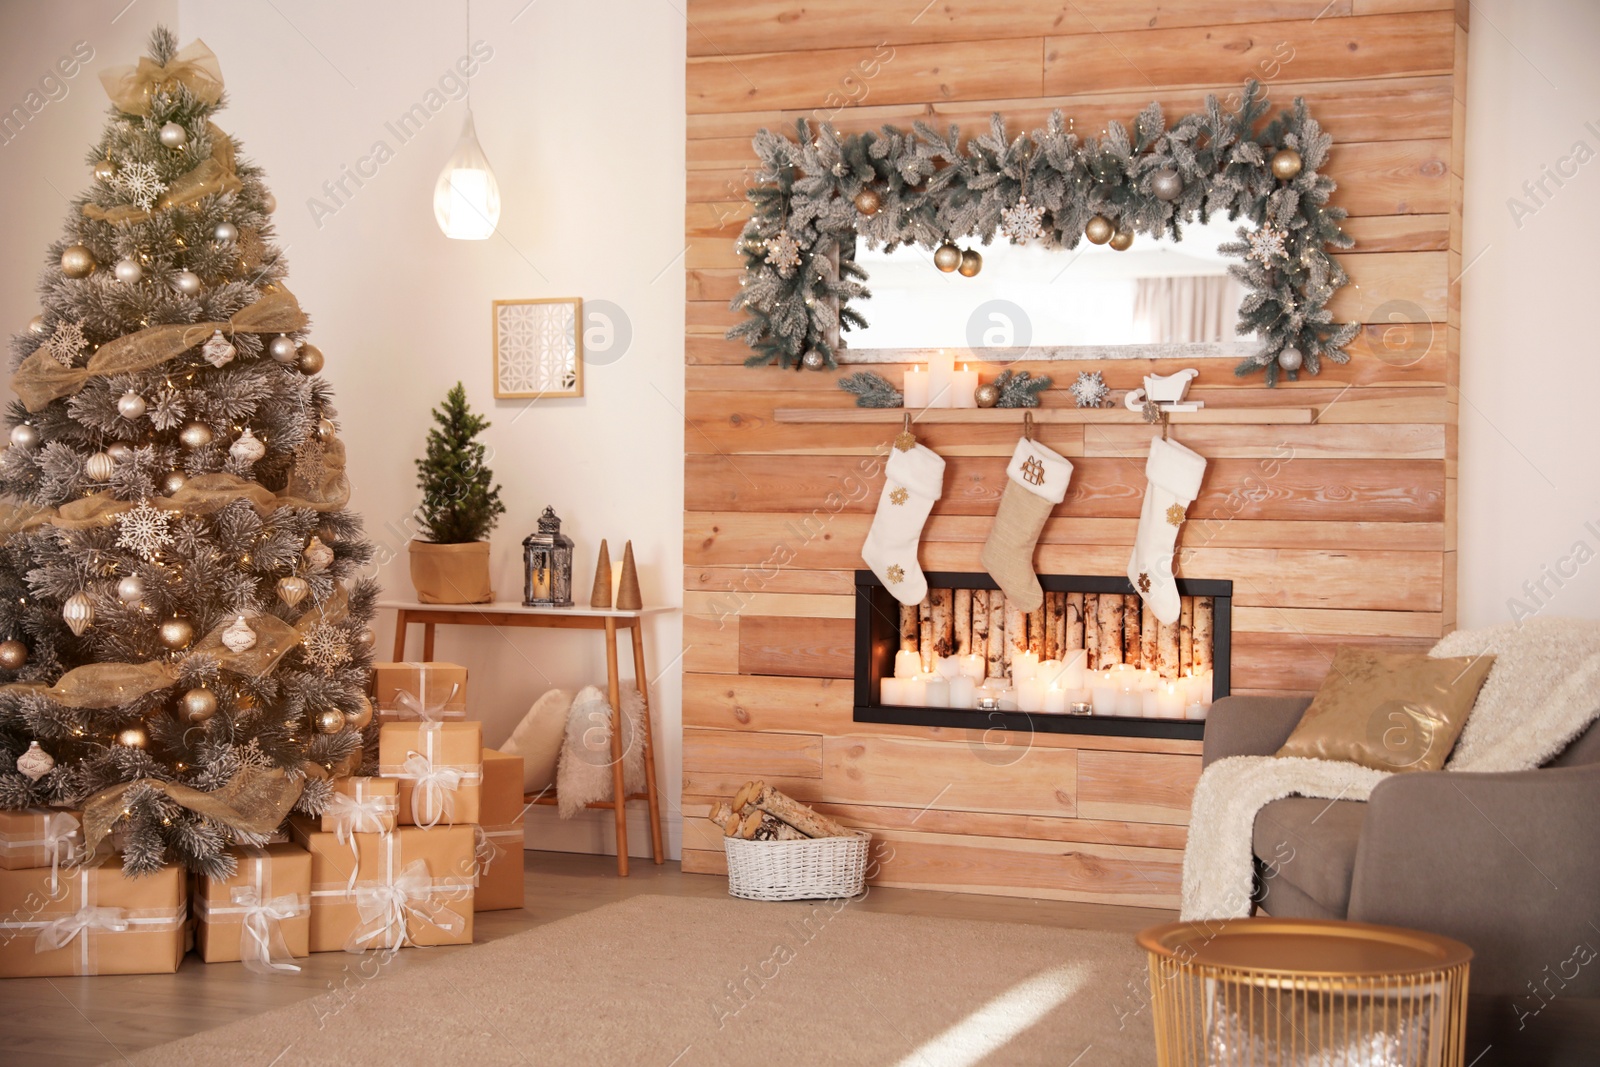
<point x="411" y="887"/>
<point x="38" y="837"/>
<point x="361" y="806"/>
<point x="500" y="881"/>
<point x="97" y="921"/>
<point x="262" y="915"/>
<point x="413" y="691"/>
<point x="439" y="768"/>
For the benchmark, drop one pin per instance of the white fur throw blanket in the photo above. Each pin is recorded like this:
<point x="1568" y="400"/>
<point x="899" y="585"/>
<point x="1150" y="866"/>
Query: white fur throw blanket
<point x="584" y="771"/>
<point x="1543" y="691"/>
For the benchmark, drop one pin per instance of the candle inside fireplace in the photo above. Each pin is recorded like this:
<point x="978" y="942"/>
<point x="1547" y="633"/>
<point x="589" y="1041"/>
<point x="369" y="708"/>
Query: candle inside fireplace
<point x="907" y="663"/>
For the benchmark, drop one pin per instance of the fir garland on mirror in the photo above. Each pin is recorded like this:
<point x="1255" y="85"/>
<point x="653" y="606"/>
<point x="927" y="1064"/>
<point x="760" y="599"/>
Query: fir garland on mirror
<point x="816" y="194"/>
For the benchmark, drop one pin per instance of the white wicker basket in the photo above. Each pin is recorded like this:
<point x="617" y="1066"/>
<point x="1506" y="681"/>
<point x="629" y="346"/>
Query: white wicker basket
<point x="815" y="869"/>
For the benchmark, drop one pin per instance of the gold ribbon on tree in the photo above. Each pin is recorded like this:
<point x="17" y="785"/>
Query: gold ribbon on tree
<point x="254" y="801"/>
<point x="40" y="379"/>
<point x="214" y="174"/>
<point x="194" y="67"/>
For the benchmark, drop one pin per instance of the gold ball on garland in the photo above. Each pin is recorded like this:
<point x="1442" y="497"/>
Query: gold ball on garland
<point x="813" y="360"/>
<point x="77" y="262"/>
<point x="36" y="326"/>
<point x="1166" y="185"/>
<point x="176" y="633"/>
<point x="310" y="359"/>
<point x="197" y="705"/>
<point x="104" y="170"/>
<point x="1099" y="230"/>
<point x="1122" y="240"/>
<point x="971" y="263"/>
<point x="173" y="482"/>
<point x="947" y="257"/>
<point x="133" y="737"/>
<point x="868" y="202"/>
<point x="100" y="467"/>
<point x="13" y="655"/>
<point x="987" y="395"/>
<point x="330" y="720"/>
<point x="195" y="435"/>
<point x="1285" y="164"/>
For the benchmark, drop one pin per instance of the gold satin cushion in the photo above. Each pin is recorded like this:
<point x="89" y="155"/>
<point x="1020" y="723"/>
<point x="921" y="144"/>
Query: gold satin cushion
<point x="1391" y="711"/>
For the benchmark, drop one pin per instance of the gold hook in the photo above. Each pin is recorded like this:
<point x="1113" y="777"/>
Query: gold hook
<point x="1027" y="425"/>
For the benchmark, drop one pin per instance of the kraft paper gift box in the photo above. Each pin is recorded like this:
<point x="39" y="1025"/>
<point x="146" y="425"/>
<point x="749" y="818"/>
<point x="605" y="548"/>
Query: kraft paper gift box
<point x="500" y="882"/>
<point x="411" y="887"/>
<point x="97" y="921"/>
<point x="39" y="837"/>
<point x="439" y="768"/>
<point x="262" y="915"/>
<point x="361" y="806"/>
<point x="415" y="691"/>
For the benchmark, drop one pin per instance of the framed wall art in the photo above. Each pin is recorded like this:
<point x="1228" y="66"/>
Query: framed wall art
<point x="538" y="348"/>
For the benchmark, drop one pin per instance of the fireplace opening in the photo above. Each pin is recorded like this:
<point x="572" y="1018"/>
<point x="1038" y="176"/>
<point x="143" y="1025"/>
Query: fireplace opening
<point x="1093" y="659"/>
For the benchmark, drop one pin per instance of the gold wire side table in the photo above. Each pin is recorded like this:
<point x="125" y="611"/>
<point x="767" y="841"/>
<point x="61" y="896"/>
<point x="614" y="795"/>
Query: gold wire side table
<point x="1306" y="993"/>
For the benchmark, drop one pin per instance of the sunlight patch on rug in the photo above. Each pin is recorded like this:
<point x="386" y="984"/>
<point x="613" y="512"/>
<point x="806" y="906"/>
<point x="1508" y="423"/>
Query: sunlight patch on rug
<point x="1000" y="1020"/>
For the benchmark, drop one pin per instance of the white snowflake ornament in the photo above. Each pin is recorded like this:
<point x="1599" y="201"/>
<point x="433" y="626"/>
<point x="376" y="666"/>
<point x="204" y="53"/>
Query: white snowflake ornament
<point x="1266" y="245"/>
<point x="783" y="253"/>
<point x="141" y="184"/>
<point x="65" y="344"/>
<point x="1090" y="390"/>
<point x="217" y="351"/>
<point x="326" y="646"/>
<point x="144" y="529"/>
<point x="1022" y="221"/>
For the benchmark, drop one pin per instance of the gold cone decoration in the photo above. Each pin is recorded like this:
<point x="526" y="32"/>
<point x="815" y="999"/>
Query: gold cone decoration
<point x="601" y="596"/>
<point x="628" y="596"/>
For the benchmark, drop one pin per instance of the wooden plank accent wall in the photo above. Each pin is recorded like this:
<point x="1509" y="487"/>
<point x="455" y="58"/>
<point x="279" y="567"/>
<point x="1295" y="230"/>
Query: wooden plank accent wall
<point x="1338" y="532"/>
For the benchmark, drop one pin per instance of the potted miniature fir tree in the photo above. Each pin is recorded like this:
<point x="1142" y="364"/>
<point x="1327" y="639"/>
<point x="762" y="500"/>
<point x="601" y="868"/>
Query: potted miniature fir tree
<point x="460" y="505"/>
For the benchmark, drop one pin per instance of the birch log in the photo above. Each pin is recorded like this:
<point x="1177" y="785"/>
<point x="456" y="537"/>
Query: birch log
<point x="1167" y="650"/>
<point x="943" y="633"/>
<point x="798" y="815"/>
<point x="1186" y="637"/>
<point x="961" y="606"/>
<point x="925" y="632"/>
<point x="1109" y="629"/>
<point x="1091" y="629"/>
<point x="1130" y="629"/>
<point x="1074" y="622"/>
<point x="1149" y="628"/>
<point x="997" y="634"/>
<point x="1016" y="633"/>
<point x="980" y="623"/>
<point x="1204" y="607"/>
<point x="1036" y="632"/>
<point x="1055" y="616"/>
<point x="908" y="627"/>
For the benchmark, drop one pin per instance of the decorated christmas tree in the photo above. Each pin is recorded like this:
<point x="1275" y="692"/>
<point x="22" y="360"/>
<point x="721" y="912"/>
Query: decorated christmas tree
<point x="185" y="640"/>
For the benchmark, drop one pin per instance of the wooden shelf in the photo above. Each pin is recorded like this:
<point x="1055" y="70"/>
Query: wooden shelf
<point x="1205" y="416"/>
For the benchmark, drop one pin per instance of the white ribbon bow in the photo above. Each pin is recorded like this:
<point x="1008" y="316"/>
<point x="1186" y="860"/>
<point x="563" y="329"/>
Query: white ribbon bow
<point x="384" y="910"/>
<point x="417" y="704"/>
<point x="434" y="792"/>
<point x="60" y="842"/>
<point x="59" y="933"/>
<point x="357" y="816"/>
<point x="483" y="852"/>
<point x="261" y="945"/>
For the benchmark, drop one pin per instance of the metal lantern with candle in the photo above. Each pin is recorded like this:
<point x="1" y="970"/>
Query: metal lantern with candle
<point x="547" y="557"/>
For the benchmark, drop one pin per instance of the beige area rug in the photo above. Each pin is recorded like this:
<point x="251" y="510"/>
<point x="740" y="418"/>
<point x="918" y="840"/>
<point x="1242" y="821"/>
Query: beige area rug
<point x="674" y="982"/>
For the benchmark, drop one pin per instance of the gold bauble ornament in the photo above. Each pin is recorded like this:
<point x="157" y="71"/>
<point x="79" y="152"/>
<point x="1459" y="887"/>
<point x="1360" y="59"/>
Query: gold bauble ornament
<point x="947" y="257"/>
<point x="197" y="705"/>
<point x="1099" y="230"/>
<point x="292" y="590"/>
<point x="868" y="202"/>
<point x="330" y="720"/>
<point x="366" y="638"/>
<point x="360" y="717"/>
<point x="987" y="395"/>
<point x="99" y="467"/>
<point x="195" y="435"/>
<point x="78" y="613"/>
<point x="133" y="737"/>
<point x="104" y="170"/>
<point x="310" y="359"/>
<point x="36" y="326"/>
<point x="173" y="482"/>
<point x="77" y="262"/>
<point x="326" y="429"/>
<point x="13" y="655"/>
<point x="1122" y="240"/>
<point x="971" y="263"/>
<point x="269" y="203"/>
<point x="1286" y="164"/>
<point x="176" y="632"/>
<point x="120" y="451"/>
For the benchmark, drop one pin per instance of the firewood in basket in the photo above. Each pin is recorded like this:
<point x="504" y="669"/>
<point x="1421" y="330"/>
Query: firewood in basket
<point x="777" y="830"/>
<point x="742" y="797"/>
<point x="798" y="815"/>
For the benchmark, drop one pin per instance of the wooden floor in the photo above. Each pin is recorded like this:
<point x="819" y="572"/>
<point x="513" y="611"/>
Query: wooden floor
<point x="96" y="1020"/>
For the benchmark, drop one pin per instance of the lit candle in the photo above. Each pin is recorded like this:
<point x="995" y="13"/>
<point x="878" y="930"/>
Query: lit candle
<point x="1200" y="689"/>
<point x="916" y="388"/>
<point x="1130" y="701"/>
<point x="1008" y="700"/>
<point x="892" y="691"/>
<point x="907" y="664"/>
<point x="946" y="667"/>
<point x="1049" y="672"/>
<point x="1030" y="696"/>
<point x="973" y="666"/>
<point x="1024" y="665"/>
<point x="1073" y="671"/>
<point x="941" y="370"/>
<point x="963" y="691"/>
<point x="913" y="691"/>
<point x="1105" y="697"/>
<point x="964" y="388"/>
<point x="935" y="691"/>
<point x="1195" y="711"/>
<point x="1171" y="697"/>
<point x="1149" y="703"/>
<point x="1055" y="700"/>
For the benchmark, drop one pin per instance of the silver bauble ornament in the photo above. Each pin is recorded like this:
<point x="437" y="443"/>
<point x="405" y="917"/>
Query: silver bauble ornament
<point x="971" y="263"/>
<point x="310" y="359"/>
<point x="104" y="170"/>
<point x="365" y="637"/>
<point x="987" y="395"/>
<point x="330" y="720"/>
<point x="76" y="261"/>
<point x="131" y="405"/>
<point x="813" y="359"/>
<point x="1291" y="359"/>
<point x="283" y="349"/>
<point x="78" y="613"/>
<point x="24" y="436"/>
<point x="176" y="632"/>
<point x="120" y="451"/>
<point x="173" y="482"/>
<point x="133" y="737"/>
<point x="195" y="435"/>
<point x="1166" y="185"/>
<point x="269" y="203"/>
<point x="100" y="467"/>
<point x="318" y="556"/>
<point x="186" y="282"/>
<point x="36" y="326"/>
<point x="13" y="655"/>
<point x="197" y="705"/>
<point x="127" y="270"/>
<point x="131" y="589"/>
<point x="173" y="136"/>
<point x="1285" y="164"/>
<point x="292" y="590"/>
<point x="248" y="448"/>
<point x="1122" y="240"/>
<point x="35" y="763"/>
<point x="947" y="257"/>
<point x="226" y="233"/>
<point x="238" y="636"/>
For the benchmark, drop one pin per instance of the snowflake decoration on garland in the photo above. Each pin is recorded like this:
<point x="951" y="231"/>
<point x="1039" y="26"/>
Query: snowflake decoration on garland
<point x="144" y="529"/>
<point x="326" y="646"/>
<point x="1022" y="222"/>
<point x="1266" y="245"/>
<point x="141" y="183"/>
<point x="1090" y="390"/>
<point x="65" y="344"/>
<point x="784" y="253"/>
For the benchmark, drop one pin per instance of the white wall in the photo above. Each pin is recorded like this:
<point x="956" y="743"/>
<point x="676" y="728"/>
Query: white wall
<point x="1530" y="476"/>
<point x="580" y="111"/>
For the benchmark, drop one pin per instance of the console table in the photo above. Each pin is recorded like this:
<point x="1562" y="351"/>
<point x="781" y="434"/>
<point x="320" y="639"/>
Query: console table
<point x="607" y="620"/>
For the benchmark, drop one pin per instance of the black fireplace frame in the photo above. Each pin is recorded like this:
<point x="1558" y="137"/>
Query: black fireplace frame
<point x="878" y="639"/>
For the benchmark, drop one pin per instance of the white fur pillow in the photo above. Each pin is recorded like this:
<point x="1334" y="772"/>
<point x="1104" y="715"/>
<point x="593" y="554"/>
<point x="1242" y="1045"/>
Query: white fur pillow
<point x="585" y="772"/>
<point x="537" y="739"/>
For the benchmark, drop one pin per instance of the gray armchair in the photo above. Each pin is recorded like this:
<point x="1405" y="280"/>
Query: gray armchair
<point x="1508" y="863"/>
